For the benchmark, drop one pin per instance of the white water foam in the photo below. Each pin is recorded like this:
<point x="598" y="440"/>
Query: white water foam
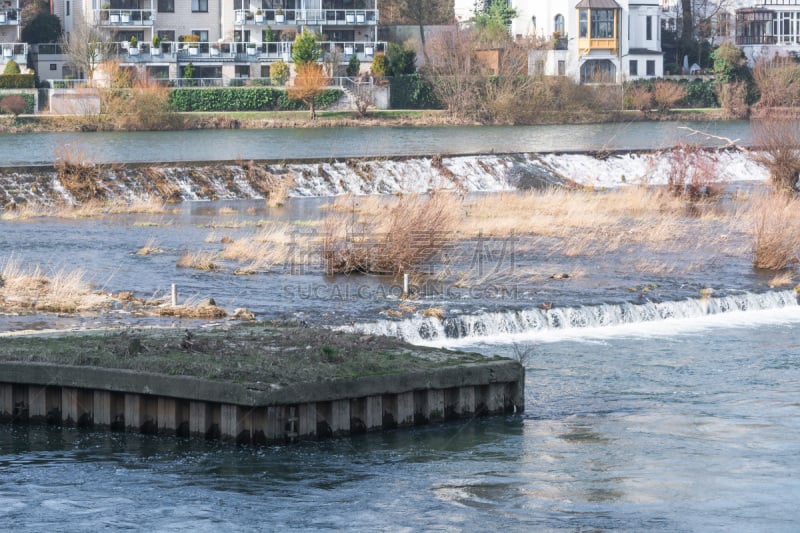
<point x="592" y="322"/>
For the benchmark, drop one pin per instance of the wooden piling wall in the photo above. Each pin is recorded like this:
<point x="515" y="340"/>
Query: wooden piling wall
<point x="154" y="404"/>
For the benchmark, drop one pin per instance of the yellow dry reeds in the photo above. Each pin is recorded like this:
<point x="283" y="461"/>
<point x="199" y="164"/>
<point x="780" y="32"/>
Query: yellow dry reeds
<point x="149" y="248"/>
<point x="403" y="236"/>
<point x="203" y="260"/>
<point x="775" y="230"/>
<point x="29" y="287"/>
<point x="781" y="279"/>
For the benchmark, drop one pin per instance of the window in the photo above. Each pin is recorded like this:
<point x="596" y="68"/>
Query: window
<point x="53" y="66"/>
<point x="559" y="24"/>
<point x="166" y="6"/>
<point x="167" y="36"/>
<point x="648" y="28"/>
<point x="651" y="67"/>
<point x="602" y="24"/>
<point x="633" y="67"/>
<point x="67" y="8"/>
<point x="583" y="24"/>
<point x="199" y="6"/>
<point x="203" y="34"/>
<point x="562" y="67"/>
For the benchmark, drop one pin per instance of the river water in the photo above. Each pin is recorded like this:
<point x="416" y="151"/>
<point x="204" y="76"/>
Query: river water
<point x="670" y="413"/>
<point x="324" y="143"/>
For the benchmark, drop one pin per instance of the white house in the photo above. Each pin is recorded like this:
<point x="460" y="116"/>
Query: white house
<point x="592" y="41"/>
<point x="768" y="28"/>
<point x="10" y="45"/>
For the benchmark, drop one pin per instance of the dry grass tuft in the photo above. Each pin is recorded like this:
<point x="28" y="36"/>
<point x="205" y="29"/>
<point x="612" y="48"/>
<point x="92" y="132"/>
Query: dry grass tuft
<point x="78" y="174"/>
<point x="775" y="230"/>
<point x="150" y="248"/>
<point x="199" y="261"/>
<point x="781" y="279"/>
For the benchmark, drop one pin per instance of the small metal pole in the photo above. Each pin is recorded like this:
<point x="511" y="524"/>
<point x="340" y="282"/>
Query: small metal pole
<point x="405" y="283"/>
<point x="174" y="295"/>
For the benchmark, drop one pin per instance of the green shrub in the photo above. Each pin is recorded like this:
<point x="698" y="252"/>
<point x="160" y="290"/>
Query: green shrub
<point x="379" y="64"/>
<point x="413" y="91"/>
<point x="11" y="67"/>
<point x="242" y="99"/>
<point x="17" y="81"/>
<point x="353" y="66"/>
<point x="279" y="71"/>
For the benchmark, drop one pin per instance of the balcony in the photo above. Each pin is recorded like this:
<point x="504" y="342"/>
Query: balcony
<point x="130" y="18"/>
<point x="9" y="16"/>
<point x="239" y="51"/>
<point x="756" y="39"/>
<point x="16" y="51"/>
<point x="301" y="17"/>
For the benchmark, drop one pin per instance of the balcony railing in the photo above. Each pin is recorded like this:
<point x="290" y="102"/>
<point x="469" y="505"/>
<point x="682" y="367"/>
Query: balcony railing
<point x="9" y="16"/>
<point x="16" y="51"/>
<point x="239" y="51"/>
<point x="300" y="17"/>
<point x="756" y="39"/>
<point x="126" y="17"/>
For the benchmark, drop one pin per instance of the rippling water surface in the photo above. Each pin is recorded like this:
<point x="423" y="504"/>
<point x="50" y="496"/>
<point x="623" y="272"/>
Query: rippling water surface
<point x="692" y="431"/>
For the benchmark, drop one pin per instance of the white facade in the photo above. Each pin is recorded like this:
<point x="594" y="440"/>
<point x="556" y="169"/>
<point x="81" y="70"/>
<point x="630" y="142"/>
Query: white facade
<point x="237" y="38"/>
<point x="10" y="25"/>
<point x="591" y="40"/>
<point x="769" y="28"/>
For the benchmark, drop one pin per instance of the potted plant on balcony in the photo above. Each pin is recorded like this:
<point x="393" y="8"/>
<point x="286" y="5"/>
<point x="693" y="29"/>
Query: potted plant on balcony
<point x="279" y="15"/>
<point x="156" y="48"/>
<point x="125" y="17"/>
<point x="251" y="49"/>
<point x="133" y="47"/>
<point x="104" y="11"/>
<point x="2" y="17"/>
<point x="213" y="49"/>
<point x="193" y="47"/>
<point x="350" y="17"/>
<point x="259" y="16"/>
<point x="113" y="17"/>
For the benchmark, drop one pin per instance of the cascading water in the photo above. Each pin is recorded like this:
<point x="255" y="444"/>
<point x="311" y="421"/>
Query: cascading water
<point x="474" y="173"/>
<point x="422" y="330"/>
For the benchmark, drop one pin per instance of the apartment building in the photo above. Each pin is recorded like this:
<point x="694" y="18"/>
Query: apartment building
<point x="224" y="40"/>
<point x="10" y="29"/>
<point x="591" y="41"/>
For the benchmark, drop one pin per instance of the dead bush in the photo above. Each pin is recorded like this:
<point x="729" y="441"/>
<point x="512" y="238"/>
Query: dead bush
<point x="78" y="174"/>
<point x="777" y="141"/>
<point x="733" y="99"/>
<point x="775" y="231"/>
<point x="407" y="234"/>
<point x="13" y="104"/>
<point x="778" y="82"/>
<point x="641" y="98"/>
<point x="693" y="173"/>
<point x="666" y="94"/>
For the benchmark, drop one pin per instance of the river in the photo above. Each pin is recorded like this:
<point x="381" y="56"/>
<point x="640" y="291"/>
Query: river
<point x="658" y="410"/>
<point x="326" y="143"/>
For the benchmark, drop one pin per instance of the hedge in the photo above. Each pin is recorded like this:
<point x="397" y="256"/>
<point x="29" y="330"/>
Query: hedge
<point x="242" y="99"/>
<point x="17" y="81"/>
<point x="29" y="101"/>
<point x="412" y="91"/>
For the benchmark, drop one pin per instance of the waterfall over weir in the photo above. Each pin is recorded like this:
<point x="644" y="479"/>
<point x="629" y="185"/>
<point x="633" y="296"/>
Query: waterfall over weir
<point x="249" y="180"/>
<point x="423" y="330"/>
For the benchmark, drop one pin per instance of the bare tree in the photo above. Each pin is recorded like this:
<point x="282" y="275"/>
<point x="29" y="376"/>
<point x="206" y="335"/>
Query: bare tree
<point x="777" y="141"/>
<point x="422" y="12"/>
<point x="88" y="47"/>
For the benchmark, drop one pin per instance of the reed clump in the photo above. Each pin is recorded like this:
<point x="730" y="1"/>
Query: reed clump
<point x="411" y="230"/>
<point x="775" y="230"/>
<point x="203" y="260"/>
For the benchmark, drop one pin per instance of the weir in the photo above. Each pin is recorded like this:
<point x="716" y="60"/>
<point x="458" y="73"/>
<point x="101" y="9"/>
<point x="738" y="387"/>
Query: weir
<point x="421" y="329"/>
<point x="172" y="405"/>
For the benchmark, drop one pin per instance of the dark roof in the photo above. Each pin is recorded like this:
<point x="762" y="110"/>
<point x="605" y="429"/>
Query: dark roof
<point x="597" y="4"/>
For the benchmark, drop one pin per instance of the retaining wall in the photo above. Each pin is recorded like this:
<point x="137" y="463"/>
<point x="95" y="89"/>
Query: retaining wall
<point x="254" y="414"/>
